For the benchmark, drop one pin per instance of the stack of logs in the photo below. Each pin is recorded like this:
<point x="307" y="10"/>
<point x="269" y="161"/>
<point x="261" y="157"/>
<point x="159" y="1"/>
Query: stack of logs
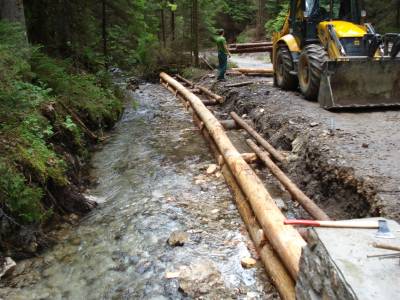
<point x="279" y="246"/>
<point x="251" y="47"/>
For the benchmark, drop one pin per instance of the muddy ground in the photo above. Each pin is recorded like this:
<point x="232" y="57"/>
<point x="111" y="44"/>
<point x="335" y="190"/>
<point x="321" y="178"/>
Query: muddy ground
<point x="346" y="161"/>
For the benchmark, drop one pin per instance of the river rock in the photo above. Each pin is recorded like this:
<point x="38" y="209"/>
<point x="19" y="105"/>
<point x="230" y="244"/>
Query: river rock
<point x="178" y="238"/>
<point x="212" y="169"/>
<point x="201" y="277"/>
<point x="248" y="262"/>
<point x="7" y="266"/>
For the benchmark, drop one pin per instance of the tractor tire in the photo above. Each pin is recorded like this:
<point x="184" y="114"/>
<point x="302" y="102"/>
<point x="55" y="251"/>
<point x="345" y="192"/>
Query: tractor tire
<point x="310" y="67"/>
<point x="284" y="64"/>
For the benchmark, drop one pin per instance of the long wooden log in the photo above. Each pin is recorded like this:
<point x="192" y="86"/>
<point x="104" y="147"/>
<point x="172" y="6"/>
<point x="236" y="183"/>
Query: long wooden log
<point x="210" y="94"/>
<point x="267" y="146"/>
<point x="254" y="70"/>
<point x="188" y="82"/>
<point x="313" y="209"/>
<point x="203" y="89"/>
<point x="229" y="124"/>
<point x="250" y="45"/>
<point x="285" y="239"/>
<point x="250" y="50"/>
<point x="273" y="265"/>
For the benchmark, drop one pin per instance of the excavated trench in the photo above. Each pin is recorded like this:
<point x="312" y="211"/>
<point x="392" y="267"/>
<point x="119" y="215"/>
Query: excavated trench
<point x="328" y="181"/>
<point x="345" y="161"/>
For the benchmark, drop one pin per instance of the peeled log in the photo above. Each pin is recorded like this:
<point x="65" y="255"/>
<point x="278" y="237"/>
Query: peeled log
<point x="250" y="50"/>
<point x="309" y="205"/>
<point x="250" y="45"/>
<point x="274" y="153"/>
<point x="202" y="89"/>
<point x="273" y="265"/>
<point x="285" y="239"/>
<point x="268" y="71"/>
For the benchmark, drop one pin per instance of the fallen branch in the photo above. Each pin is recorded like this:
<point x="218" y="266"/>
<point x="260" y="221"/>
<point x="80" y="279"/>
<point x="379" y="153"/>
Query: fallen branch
<point x="80" y="122"/>
<point x="207" y="63"/>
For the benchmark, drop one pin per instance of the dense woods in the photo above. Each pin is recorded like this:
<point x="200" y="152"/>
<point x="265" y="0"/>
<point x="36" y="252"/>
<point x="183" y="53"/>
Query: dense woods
<point x="56" y="90"/>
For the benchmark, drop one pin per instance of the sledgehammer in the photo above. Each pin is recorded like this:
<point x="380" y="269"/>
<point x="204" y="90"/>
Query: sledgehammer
<point x="383" y="229"/>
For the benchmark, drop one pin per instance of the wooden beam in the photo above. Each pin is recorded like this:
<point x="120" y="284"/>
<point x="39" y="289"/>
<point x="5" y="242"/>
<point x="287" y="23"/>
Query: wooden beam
<point x="250" y="50"/>
<point x="267" y="71"/>
<point x="202" y="89"/>
<point x="273" y="265"/>
<point x="267" y="146"/>
<point x="313" y="209"/>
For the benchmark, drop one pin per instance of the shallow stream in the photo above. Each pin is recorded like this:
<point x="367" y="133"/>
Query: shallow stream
<point x="152" y="181"/>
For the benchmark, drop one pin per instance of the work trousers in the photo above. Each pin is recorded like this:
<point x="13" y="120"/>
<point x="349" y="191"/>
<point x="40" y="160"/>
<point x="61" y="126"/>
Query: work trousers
<point x="223" y="64"/>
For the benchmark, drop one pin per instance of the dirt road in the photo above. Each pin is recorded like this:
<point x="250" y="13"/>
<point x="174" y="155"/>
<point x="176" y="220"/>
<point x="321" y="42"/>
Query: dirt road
<point x="347" y="161"/>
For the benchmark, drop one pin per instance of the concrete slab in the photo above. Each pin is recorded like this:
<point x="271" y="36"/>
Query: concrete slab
<point x="335" y="265"/>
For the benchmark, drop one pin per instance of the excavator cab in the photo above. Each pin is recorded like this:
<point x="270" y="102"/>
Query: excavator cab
<point x="327" y="50"/>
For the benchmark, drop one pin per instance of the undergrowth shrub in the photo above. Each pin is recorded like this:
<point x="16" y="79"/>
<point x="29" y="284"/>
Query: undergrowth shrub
<point x="19" y="198"/>
<point x="30" y="83"/>
<point x="276" y="24"/>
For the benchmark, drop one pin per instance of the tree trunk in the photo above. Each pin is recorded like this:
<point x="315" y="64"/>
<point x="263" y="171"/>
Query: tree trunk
<point x="260" y="20"/>
<point x="164" y="40"/>
<point x="195" y="9"/>
<point x="172" y="22"/>
<point x="104" y="33"/>
<point x="13" y="11"/>
<point x="398" y="14"/>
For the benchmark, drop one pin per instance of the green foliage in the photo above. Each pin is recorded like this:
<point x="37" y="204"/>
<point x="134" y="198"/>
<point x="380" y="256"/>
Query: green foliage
<point x="18" y="197"/>
<point x="193" y="73"/>
<point x="83" y="92"/>
<point x="247" y="36"/>
<point x="276" y="24"/>
<point x="32" y="82"/>
<point x="240" y="11"/>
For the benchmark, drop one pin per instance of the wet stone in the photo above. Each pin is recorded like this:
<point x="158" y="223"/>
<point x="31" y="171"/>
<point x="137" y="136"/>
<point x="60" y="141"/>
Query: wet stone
<point x="178" y="238"/>
<point x="143" y="266"/>
<point x="248" y="262"/>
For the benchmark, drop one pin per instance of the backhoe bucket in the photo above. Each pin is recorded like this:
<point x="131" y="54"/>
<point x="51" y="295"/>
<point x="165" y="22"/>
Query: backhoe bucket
<point x="360" y="83"/>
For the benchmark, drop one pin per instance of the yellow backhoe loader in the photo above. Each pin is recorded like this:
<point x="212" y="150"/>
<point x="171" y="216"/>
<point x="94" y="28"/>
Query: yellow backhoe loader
<point x="327" y="50"/>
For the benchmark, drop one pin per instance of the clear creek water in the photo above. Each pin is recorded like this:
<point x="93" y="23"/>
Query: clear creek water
<point x="151" y="182"/>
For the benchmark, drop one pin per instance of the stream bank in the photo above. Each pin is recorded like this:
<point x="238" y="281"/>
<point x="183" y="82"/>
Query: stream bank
<point x="152" y="181"/>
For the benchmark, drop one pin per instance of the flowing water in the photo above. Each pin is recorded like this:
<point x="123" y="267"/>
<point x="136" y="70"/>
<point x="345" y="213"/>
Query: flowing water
<point x="151" y="182"/>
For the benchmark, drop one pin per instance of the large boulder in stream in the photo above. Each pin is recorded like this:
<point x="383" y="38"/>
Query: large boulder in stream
<point x="201" y="278"/>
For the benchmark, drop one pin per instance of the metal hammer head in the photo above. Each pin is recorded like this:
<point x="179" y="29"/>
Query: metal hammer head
<point x="384" y="231"/>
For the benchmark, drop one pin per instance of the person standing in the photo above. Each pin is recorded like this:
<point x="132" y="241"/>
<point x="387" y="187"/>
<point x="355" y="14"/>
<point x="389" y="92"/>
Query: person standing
<point x="223" y="54"/>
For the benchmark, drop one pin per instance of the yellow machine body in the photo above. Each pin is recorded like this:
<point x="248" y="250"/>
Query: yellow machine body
<point x="347" y="79"/>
